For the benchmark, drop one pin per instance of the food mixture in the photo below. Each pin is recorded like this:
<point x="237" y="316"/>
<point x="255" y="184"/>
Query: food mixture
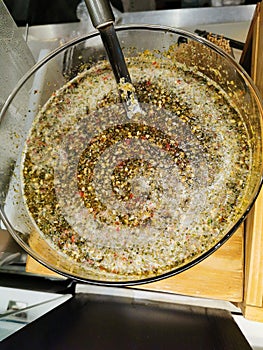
<point x="132" y="198"/>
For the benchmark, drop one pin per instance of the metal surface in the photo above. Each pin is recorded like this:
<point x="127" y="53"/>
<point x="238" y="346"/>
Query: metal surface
<point x="100" y="12"/>
<point x="10" y="251"/>
<point x="15" y="56"/>
<point x="191" y="16"/>
<point x="231" y="21"/>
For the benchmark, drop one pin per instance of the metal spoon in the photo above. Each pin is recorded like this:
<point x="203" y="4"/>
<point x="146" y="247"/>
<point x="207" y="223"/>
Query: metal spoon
<point x="103" y="19"/>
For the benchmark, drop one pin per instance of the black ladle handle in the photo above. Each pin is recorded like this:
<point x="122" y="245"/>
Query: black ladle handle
<point x="103" y="19"/>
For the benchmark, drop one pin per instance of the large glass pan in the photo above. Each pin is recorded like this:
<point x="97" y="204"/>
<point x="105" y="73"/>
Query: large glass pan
<point x="140" y="255"/>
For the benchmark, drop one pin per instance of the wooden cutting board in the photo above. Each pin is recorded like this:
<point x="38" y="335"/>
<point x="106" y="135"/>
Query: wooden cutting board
<point x="220" y="276"/>
<point x="252" y="304"/>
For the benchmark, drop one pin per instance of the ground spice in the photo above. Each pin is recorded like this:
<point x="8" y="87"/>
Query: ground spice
<point x="136" y="198"/>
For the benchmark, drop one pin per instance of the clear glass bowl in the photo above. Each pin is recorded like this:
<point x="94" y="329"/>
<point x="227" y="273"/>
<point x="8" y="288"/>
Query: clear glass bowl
<point x="188" y="170"/>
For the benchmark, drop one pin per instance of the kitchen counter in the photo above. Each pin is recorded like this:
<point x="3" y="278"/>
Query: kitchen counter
<point x="85" y="310"/>
<point x="231" y="21"/>
<point x="121" y="321"/>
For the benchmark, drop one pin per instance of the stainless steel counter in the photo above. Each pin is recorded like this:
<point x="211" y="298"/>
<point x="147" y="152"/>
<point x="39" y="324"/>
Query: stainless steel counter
<point x="231" y="21"/>
<point x="192" y="16"/>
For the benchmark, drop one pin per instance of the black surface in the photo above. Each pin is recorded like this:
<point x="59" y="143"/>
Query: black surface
<point x="37" y="283"/>
<point x="38" y="12"/>
<point x="105" y="322"/>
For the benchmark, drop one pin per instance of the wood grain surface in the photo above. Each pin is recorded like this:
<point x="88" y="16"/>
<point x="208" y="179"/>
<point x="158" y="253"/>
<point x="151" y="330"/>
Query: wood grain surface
<point x="220" y="276"/>
<point x="252" y="304"/>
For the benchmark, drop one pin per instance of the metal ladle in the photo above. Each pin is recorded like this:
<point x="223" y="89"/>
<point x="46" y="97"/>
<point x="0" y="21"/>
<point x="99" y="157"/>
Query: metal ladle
<point x="103" y="19"/>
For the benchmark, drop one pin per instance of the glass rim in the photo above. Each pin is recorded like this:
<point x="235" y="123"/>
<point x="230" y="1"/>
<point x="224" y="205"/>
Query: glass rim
<point x="166" y="29"/>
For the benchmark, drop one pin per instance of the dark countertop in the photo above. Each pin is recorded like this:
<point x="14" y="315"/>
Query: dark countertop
<point x="109" y="322"/>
